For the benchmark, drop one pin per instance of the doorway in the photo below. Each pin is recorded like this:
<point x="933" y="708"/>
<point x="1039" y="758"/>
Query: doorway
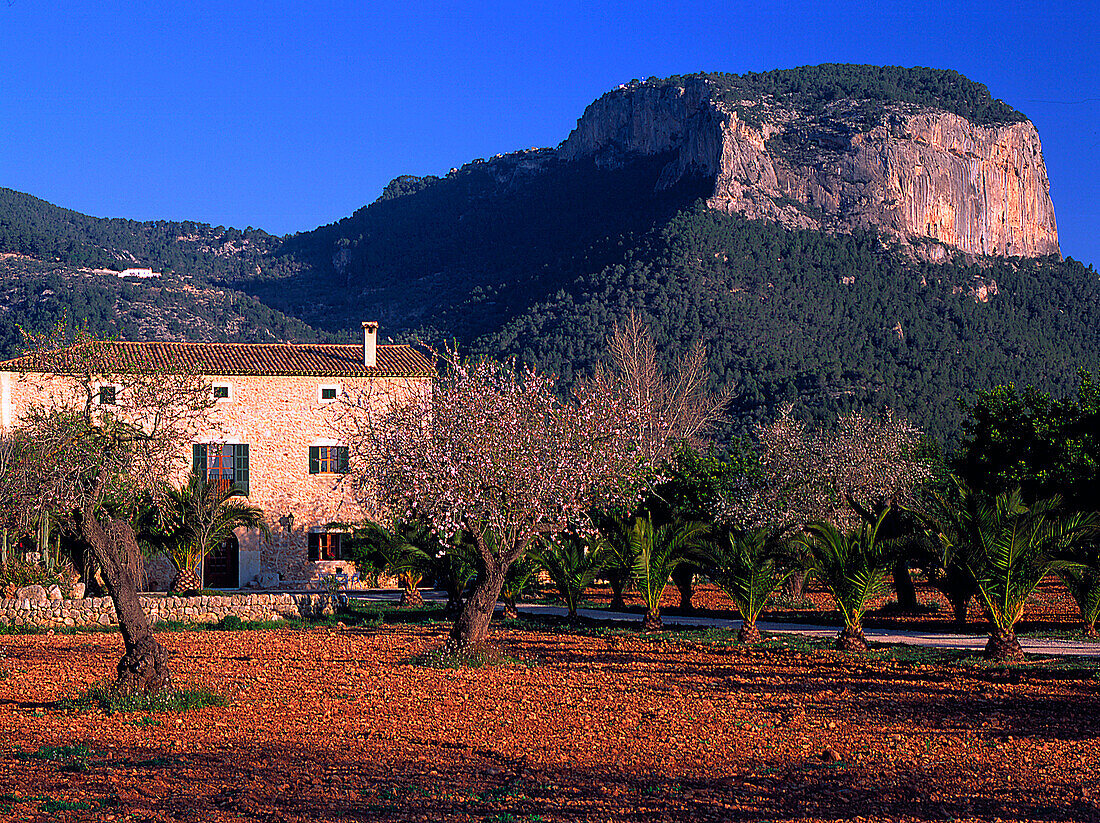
<point x="223" y="565"/>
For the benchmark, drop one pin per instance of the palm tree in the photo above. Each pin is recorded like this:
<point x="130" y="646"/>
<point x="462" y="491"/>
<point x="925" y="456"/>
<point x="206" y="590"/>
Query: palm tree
<point x="1008" y="547"/>
<point x="519" y="581"/>
<point x="1013" y="546"/>
<point x="749" y="567"/>
<point x="618" y="557"/>
<point x="457" y="565"/>
<point x="406" y="551"/>
<point x="195" y="519"/>
<point x="853" y="566"/>
<point x="657" y="553"/>
<point x="1084" y="585"/>
<point x="947" y="550"/>
<point x="573" y="563"/>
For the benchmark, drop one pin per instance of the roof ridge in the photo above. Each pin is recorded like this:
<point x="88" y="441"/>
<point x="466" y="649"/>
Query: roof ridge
<point x="197" y="343"/>
<point x="255" y="359"/>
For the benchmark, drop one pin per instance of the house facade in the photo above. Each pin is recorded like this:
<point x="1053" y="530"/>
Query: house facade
<point x="272" y="433"/>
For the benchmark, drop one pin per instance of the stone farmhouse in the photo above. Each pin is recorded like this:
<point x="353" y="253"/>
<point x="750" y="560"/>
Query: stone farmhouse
<point x="271" y="433"/>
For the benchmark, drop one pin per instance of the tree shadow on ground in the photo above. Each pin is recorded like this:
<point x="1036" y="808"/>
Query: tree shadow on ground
<point x="440" y="780"/>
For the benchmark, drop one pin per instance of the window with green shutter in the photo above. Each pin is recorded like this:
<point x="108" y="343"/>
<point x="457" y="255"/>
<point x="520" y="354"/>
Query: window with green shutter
<point x="240" y="467"/>
<point x="328" y="459"/>
<point x="224" y="464"/>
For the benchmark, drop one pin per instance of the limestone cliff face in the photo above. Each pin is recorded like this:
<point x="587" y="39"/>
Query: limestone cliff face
<point x="928" y="177"/>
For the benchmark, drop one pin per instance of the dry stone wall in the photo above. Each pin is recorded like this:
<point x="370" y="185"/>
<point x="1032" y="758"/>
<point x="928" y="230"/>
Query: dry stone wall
<point x="100" y="611"/>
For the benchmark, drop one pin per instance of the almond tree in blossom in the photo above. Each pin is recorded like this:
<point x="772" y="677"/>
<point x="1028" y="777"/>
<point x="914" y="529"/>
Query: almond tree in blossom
<point x="497" y="452"/>
<point x="827" y="475"/>
<point x="493" y="452"/>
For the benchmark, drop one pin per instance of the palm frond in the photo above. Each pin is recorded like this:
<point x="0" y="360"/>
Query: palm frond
<point x="573" y="563"/>
<point x="852" y="565"/>
<point x="749" y="567"/>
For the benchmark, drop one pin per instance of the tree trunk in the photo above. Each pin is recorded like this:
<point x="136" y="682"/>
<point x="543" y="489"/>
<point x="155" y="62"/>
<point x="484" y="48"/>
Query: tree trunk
<point x="186" y="581"/>
<point x="792" y="586"/>
<point x="684" y="578"/>
<point x="571" y="612"/>
<point x="1090" y="630"/>
<point x="472" y="625"/>
<point x="749" y="635"/>
<point x="618" y="579"/>
<point x="510" y="611"/>
<point x="851" y="639"/>
<point x="411" y="598"/>
<point x="652" y="621"/>
<point x="958" y="606"/>
<point x="903" y="585"/>
<point x="144" y="667"/>
<point x="1003" y="646"/>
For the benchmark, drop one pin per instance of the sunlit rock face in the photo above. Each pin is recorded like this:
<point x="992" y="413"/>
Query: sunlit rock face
<point x="927" y="177"/>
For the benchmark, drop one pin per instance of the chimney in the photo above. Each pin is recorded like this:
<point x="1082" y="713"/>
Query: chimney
<point x="370" y="344"/>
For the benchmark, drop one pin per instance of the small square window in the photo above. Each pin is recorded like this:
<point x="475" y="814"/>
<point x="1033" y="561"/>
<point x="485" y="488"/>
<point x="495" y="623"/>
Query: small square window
<point x="107" y="395"/>
<point x="328" y="394"/>
<point x="328" y="459"/>
<point x="325" y="546"/>
<point x="221" y="392"/>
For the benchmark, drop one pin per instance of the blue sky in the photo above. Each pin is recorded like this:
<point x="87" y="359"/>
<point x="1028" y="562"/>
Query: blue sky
<point x="285" y="116"/>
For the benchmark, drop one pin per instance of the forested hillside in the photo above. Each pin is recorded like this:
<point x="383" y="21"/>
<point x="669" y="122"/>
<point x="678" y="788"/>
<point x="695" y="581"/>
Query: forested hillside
<point x="458" y="256"/>
<point x="536" y="256"/>
<point x="53" y="263"/>
<point x="811" y="88"/>
<point x="832" y="321"/>
<point x="36" y="296"/>
<point x="35" y="228"/>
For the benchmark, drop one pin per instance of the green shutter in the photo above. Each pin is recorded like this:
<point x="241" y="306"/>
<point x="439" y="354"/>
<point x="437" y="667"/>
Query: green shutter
<point x="342" y="459"/>
<point x="314" y="459"/>
<point x="240" y="467"/>
<point x="199" y="459"/>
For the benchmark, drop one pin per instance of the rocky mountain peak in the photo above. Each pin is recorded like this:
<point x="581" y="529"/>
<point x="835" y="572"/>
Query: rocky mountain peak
<point x="909" y="165"/>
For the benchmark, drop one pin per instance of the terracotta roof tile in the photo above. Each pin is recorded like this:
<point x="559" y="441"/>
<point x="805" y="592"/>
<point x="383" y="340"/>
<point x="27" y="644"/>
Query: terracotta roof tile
<point x="282" y="359"/>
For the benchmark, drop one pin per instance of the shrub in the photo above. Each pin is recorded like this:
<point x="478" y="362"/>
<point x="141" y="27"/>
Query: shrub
<point x="110" y="700"/>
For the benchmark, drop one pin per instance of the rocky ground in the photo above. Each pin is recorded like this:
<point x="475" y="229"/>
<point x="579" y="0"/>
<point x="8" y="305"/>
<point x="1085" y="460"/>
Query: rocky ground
<point x="334" y="723"/>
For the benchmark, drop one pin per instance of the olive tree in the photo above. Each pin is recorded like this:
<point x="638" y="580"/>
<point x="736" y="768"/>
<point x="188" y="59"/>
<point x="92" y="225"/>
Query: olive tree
<point x="105" y="433"/>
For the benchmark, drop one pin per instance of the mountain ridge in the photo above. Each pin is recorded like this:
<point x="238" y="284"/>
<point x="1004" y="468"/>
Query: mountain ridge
<point x="536" y="254"/>
<point x="931" y="177"/>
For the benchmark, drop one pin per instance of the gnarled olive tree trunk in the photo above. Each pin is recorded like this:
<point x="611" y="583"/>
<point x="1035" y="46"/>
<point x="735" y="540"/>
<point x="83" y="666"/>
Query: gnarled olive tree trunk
<point x="472" y="625"/>
<point x="144" y="667"/>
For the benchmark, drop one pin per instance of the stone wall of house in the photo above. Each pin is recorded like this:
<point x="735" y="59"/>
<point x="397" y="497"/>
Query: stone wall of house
<point x="92" y="611"/>
<point x="280" y="418"/>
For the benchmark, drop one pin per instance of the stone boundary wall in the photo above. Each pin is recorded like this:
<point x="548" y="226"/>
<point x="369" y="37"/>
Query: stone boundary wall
<point x="92" y="611"/>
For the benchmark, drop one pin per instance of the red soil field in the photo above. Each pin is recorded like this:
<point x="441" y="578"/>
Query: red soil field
<point x="336" y="725"/>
